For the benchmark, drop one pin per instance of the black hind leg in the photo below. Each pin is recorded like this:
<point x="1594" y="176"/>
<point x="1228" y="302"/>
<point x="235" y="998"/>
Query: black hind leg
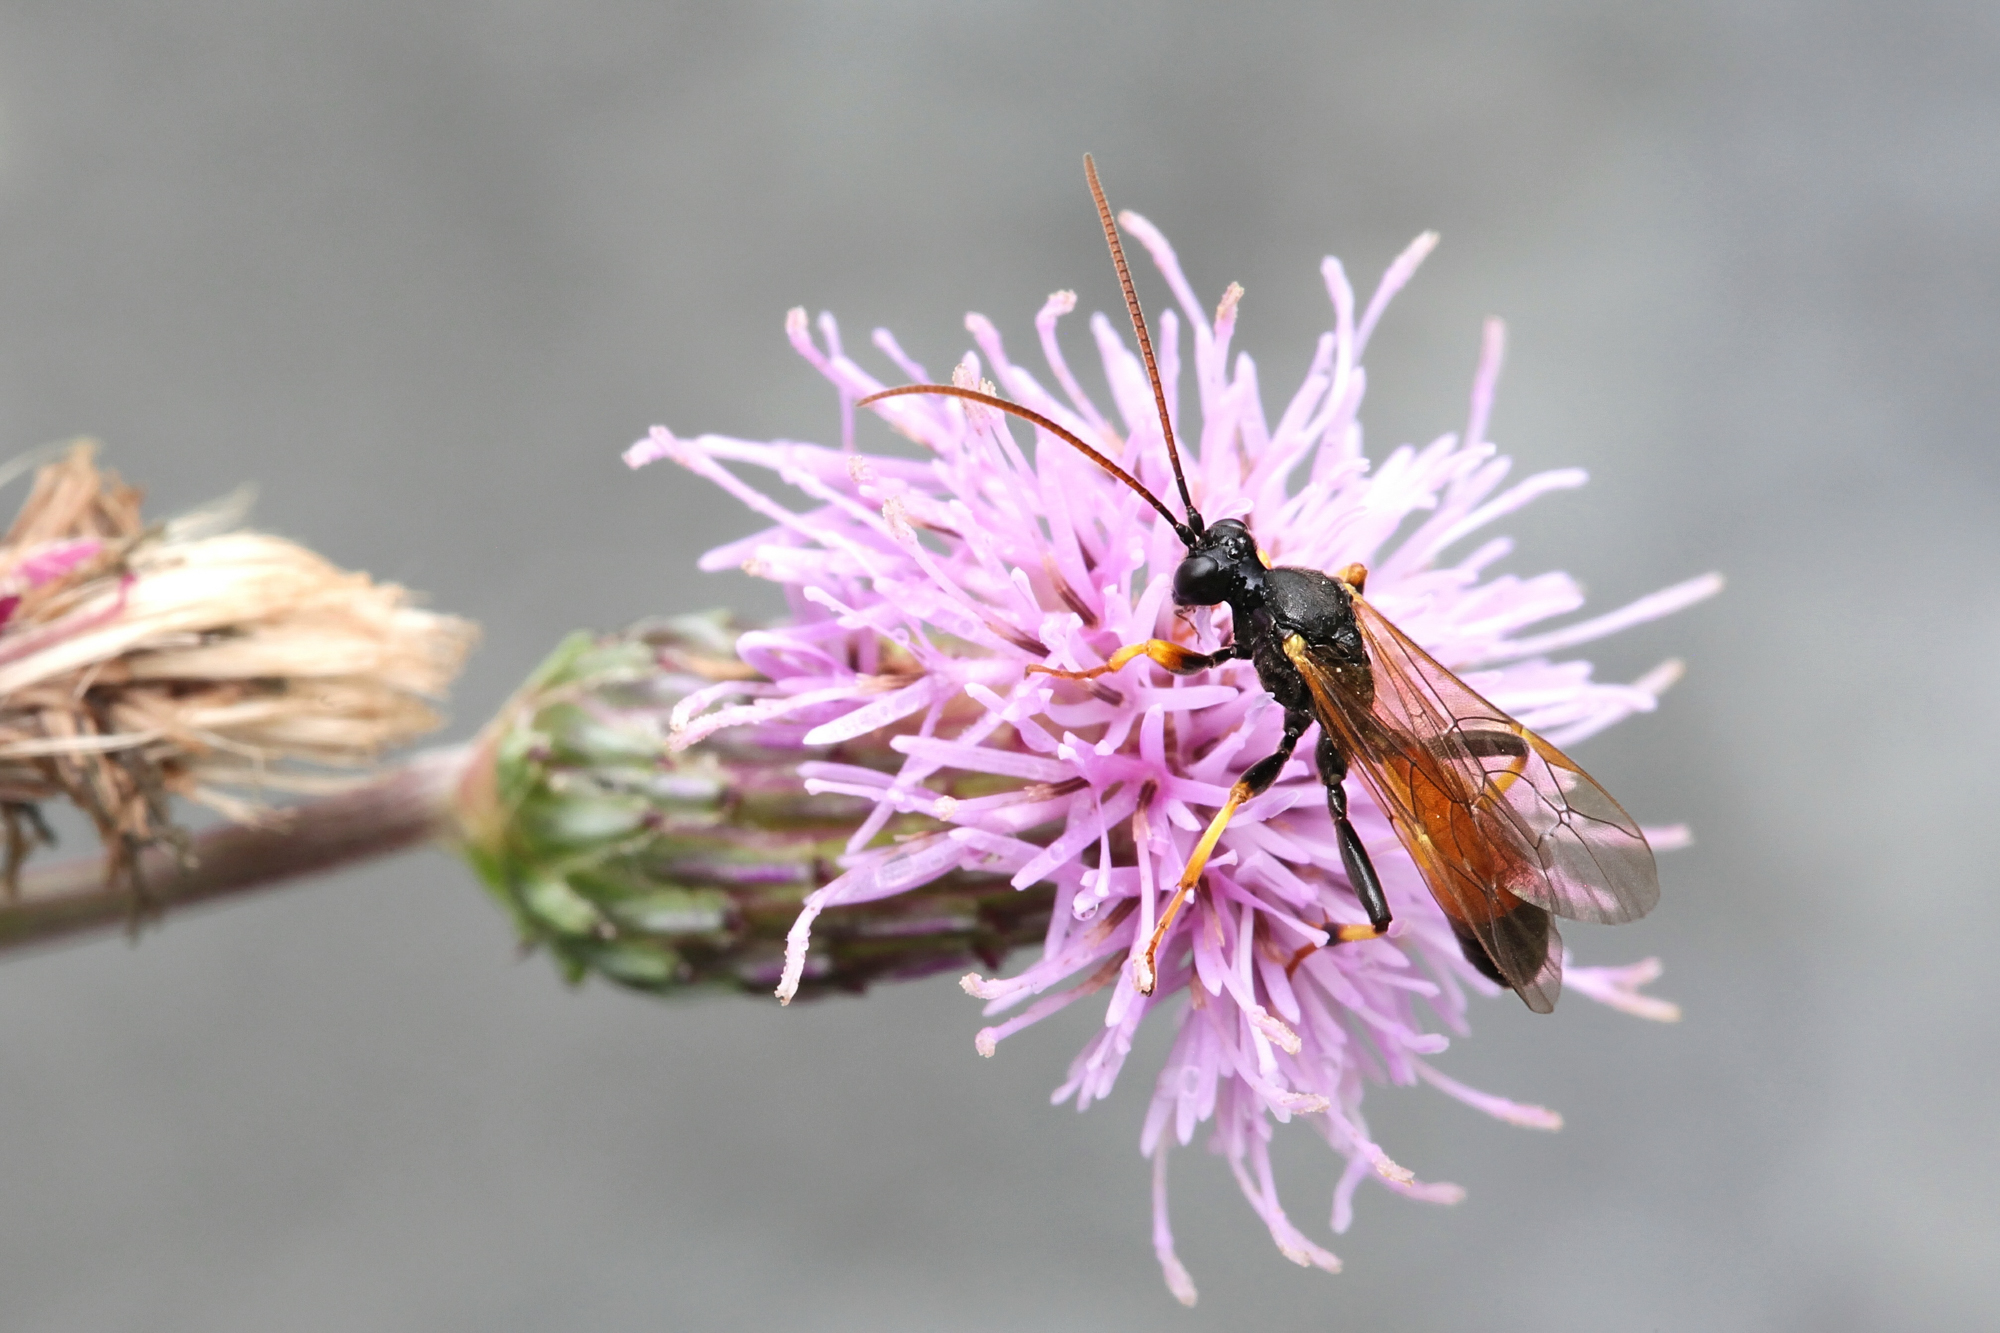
<point x="1360" y="870"/>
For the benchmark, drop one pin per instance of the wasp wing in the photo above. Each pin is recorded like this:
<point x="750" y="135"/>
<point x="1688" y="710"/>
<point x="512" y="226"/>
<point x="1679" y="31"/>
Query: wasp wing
<point x="1504" y="827"/>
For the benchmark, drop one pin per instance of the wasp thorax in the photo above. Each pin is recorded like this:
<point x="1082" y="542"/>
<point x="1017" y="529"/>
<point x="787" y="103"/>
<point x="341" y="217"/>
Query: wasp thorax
<point x="1214" y="568"/>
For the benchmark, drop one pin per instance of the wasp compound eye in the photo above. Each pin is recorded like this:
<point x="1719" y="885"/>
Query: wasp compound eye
<point x="1200" y="581"/>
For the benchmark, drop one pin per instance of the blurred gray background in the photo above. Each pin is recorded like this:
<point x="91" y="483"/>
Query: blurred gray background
<point x="422" y="271"/>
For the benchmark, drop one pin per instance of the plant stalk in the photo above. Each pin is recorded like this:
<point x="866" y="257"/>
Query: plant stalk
<point x="404" y="807"/>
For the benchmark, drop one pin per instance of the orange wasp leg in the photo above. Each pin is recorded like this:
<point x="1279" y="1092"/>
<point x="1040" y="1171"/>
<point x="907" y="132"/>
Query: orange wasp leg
<point x="1181" y="661"/>
<point x="1256" y="780"/>
<point x="1349" y="934"/>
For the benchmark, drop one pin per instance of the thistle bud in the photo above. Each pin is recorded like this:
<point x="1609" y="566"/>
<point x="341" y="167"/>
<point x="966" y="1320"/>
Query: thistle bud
<point x="661" y="868"/>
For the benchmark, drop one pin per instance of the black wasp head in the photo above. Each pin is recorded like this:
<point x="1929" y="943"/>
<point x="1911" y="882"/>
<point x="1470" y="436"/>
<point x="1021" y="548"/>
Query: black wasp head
<point x="1220" y="563"/>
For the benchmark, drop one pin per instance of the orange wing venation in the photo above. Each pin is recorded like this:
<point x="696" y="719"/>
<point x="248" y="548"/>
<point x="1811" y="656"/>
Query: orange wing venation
<point x="1505" y="827"/>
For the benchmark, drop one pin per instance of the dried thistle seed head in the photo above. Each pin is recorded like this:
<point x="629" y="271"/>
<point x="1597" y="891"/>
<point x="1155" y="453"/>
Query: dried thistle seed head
<point x="141" y="662"/>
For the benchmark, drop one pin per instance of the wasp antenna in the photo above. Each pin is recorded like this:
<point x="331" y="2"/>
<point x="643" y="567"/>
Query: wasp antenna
<point x="1194" y="520"/>
<point x="1181" y="530"/>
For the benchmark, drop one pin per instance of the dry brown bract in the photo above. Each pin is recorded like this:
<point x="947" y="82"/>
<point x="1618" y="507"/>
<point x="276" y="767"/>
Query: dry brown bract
<point x="140" y="662"/>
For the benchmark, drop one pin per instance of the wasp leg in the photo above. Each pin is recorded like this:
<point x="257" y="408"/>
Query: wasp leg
<point x="1256" y="780"/>
<point x="1495" y="744"/>
<point x="1179" y="660"/>
<point x="1360" y="870"/>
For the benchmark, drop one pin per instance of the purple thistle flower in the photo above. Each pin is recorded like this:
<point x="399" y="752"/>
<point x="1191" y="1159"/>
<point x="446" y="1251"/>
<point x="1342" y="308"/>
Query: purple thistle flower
<point x="920" y="591"/>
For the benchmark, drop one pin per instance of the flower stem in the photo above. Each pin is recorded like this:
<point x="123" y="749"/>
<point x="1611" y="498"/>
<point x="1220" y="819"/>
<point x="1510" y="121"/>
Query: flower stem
<point x="404" y="807"/>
